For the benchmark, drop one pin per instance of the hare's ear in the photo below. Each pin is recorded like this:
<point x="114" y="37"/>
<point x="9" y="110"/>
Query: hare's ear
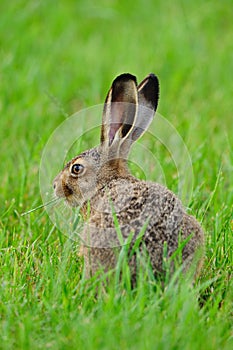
<point x="119" y="109"/>
<point x="148" y="96"/>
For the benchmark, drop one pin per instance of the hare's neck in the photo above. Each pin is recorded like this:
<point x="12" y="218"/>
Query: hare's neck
<point x="112" y="170"/>
<point x="100" y="200"/>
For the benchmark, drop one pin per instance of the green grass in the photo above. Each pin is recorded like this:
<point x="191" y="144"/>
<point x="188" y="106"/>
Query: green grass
<point x="59" y="57"/>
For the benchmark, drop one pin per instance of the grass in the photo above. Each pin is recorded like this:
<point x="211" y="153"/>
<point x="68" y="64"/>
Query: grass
<point x="57" y="58"/>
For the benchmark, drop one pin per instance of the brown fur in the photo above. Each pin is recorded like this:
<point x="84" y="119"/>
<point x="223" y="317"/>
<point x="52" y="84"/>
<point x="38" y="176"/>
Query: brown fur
<point x="107" y="187"/>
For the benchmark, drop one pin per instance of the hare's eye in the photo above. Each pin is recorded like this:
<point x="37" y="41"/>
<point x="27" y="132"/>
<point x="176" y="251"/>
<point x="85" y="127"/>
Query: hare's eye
<point x="77" y="169"/>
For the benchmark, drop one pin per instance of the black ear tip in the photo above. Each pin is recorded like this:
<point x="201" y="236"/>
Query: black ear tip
<point x="154" y="78"/>
<point x="125" y="77"/>
<point x="150" y="81"/>
<point x="149" y="89"/>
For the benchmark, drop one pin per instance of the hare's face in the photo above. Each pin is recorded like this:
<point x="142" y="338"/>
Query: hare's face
<point x="77" y="181"/>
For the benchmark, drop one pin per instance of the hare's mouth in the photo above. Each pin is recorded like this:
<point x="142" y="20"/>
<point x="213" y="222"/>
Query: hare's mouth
<point x="71" y="201"/>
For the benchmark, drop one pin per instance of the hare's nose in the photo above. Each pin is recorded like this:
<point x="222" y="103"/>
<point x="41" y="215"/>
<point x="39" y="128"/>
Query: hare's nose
<point x="56" y="182"/>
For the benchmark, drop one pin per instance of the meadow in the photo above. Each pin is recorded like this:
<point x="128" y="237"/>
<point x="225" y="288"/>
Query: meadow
<point x="58" y="58"/>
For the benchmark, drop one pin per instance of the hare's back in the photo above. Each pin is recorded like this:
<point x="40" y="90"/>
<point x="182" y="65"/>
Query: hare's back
<point x="138" y="202"/>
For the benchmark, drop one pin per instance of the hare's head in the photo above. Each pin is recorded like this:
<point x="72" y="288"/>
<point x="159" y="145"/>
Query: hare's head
<point x="128" y="111"/>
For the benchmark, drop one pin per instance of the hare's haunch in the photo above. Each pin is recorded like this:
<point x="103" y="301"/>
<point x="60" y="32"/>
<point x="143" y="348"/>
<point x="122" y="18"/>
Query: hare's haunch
<point x="99" y="179"/>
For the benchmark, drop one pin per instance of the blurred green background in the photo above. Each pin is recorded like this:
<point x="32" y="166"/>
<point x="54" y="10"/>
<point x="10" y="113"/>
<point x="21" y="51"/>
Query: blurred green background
<point x="57" y="57"/>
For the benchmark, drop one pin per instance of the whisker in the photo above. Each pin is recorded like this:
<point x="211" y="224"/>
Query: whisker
<point x="41" y="206"/>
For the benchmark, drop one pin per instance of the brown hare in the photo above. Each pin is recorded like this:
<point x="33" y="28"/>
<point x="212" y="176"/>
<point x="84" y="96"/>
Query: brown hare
<point x="98" y="180"/>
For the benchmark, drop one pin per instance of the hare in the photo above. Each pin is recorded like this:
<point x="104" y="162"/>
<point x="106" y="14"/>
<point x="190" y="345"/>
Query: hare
<point x="99" y="182"/>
